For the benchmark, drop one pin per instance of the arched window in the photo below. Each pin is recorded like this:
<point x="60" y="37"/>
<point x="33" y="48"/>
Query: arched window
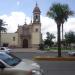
<point x="36" y="29"/>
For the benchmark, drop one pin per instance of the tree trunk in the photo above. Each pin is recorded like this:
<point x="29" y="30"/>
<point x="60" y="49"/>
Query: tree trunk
<point x="62" y="31"/>
<point x="59" y="40"/>
<point x="0" y="38"/>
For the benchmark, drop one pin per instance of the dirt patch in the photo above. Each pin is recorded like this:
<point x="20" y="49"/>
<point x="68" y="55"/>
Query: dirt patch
<point x="48" y="58"/>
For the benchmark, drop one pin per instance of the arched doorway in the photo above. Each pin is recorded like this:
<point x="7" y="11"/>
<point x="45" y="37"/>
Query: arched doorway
<point x="25" y="43"/>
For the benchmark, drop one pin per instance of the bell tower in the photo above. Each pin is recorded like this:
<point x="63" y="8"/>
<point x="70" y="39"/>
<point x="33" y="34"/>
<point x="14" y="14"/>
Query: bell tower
<point x="36" y="14"/>
<point x="36" y="27"/>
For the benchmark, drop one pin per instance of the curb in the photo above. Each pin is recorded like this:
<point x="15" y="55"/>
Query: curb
<point x="48" y="58"/>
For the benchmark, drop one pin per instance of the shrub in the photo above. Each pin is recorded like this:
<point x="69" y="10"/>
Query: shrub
<point x="41" y="46"/>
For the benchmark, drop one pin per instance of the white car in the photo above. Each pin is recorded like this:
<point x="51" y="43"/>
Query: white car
<point x="71" y="53"/>
<point x="12" y="65"/>
<point x="5" y="49"/>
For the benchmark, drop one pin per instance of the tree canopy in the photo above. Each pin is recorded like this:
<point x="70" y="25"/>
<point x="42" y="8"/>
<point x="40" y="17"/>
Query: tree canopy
<point x="2" y="24"/>
<point x="2" y="28"/>
<point x="59" y="12"/>
<point x="49" y="39"/>
<point x="70" y="37"/>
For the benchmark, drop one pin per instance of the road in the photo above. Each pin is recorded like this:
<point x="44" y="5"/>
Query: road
<point x="30" y="55"/>
<point x="51" y="67"/>
<point x="58" y="68"/>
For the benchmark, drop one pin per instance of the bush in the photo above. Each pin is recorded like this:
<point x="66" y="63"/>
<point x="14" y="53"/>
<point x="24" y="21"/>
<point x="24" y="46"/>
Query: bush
<point x="41" y="46"/>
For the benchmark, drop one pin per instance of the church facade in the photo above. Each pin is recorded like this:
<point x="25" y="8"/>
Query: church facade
<point x="27" y="36"/>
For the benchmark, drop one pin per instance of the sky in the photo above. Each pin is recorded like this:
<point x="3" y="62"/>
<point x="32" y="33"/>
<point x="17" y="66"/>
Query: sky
<point x="14" y="12"/>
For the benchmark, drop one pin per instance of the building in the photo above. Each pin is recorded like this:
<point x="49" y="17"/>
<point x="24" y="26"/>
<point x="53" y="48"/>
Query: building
<point x="26" y="36"/>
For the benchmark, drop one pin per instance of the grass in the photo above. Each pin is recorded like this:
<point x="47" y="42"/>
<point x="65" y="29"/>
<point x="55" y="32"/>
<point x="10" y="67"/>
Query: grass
<point x="55" y="48"/>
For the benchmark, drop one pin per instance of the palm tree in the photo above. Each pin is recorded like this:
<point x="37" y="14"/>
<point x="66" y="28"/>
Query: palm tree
<point x="66" y="13"/>
<point x="60" y="13"/>
<point x="2" y="28"/>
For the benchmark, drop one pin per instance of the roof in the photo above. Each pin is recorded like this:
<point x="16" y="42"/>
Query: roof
<point x="36" y="9"/>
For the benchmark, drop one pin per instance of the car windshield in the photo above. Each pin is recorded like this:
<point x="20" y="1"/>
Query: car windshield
<point x="10" y="59"/>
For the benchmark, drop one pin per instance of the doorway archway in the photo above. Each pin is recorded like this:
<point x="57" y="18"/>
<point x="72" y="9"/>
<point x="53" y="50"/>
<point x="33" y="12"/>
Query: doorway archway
<point x="25" y="43"/>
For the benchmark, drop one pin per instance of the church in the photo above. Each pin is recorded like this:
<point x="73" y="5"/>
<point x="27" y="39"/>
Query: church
<point x="26" y="36"/>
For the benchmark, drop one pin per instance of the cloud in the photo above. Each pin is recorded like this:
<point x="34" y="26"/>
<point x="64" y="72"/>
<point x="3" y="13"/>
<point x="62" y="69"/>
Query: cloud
<point x="69" y="25"/>
<point x="47" y="24"/>
<point x="14" y="19"/>
<point x="18" y="3"/>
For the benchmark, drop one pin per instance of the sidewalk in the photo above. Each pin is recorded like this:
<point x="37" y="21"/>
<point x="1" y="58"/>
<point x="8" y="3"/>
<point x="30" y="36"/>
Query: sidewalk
<point x="32" y="50"/>
<point x="24" y="50"/>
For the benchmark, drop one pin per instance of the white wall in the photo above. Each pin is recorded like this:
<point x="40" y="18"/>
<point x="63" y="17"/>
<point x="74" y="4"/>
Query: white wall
<point x="8" y="38"/>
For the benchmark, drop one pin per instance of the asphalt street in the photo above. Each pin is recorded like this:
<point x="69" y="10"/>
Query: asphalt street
<point x="31" y="55"/>
<point x="58" y="68"/>
<point x="51" y="67"/>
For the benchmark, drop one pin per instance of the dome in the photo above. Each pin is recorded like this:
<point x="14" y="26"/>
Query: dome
<point x="36" y="9"/>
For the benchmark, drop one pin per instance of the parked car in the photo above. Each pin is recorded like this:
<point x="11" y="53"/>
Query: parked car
<point x="5" y="49"/>
<point x="12" y="65"/>
<point x="71" y="53"/>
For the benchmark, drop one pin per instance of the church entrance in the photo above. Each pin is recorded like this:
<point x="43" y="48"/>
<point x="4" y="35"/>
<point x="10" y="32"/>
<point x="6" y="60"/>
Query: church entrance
<point x="25" y="43"/>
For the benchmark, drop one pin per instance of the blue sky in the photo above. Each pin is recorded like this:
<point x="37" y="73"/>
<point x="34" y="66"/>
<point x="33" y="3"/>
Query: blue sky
<point x="14" y="12"/>
<point x="7" y="6"/>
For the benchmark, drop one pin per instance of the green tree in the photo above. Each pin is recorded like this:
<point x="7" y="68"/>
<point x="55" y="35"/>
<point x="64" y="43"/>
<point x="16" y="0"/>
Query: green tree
<point x="49" y="39"/>
<point x="69" y="38"/>
<point x="66" y="12"/>
<point x="60" y="13"/>
<point x="2" y="28"/>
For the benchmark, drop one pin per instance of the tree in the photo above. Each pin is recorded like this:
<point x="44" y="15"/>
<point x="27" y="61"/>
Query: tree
<point x="2" y="28"/>
<point x="60" y="13"/>
<point x="49" y="39"/>
<point x="65" y="14"/>
<point x="70" y="38"/>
